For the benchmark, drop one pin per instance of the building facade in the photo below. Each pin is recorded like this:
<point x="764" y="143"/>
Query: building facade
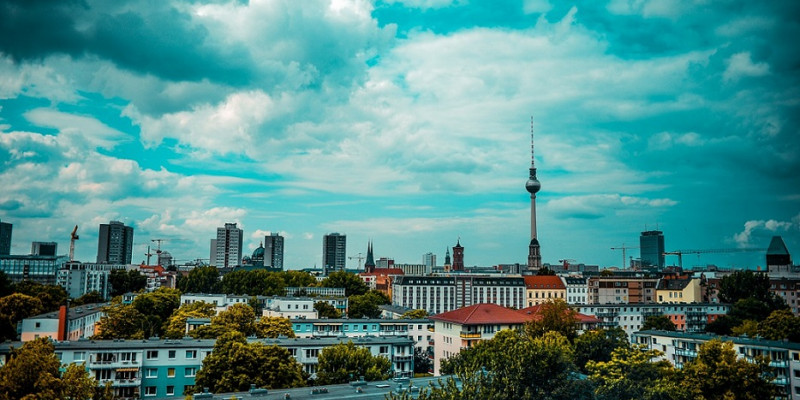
<point x="622" y="289"/>
<point x="41" y="269"/>
<point x="74" y="324"/>
<point x="543" y="288"/>
<point x="631" y="317"/>
<point x="273" y="251"/>
<point x="458" y="256"/>
<point x="115" y="243"/>
<point x="429" y="261"/>
<point x="5" y="238"/>
<point x="44" y="248"/>
<point x="228" y="246"/>
<point x="577" y="290"/>
<point x="651" y="246"/>
<point x="334" y="252"/>
<point x="79" y="278"/>
<point x="419" y="330"/>
<point x="438" y="294"/>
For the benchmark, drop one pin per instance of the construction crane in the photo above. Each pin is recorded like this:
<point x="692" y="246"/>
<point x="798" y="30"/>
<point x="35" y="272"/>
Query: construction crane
<point x="624" y="250"/>
<point x="72" y="238"/>
<point x="158" y="249"/>
<point x="360" y="257"/>
<point x="148" y="254"/>
<point x="680" y="253"/>
<point x="565" y="263"/>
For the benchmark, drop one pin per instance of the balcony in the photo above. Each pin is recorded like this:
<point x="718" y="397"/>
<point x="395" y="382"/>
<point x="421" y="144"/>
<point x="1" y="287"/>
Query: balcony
<point x="779" y="363"/>
<point x="651" y="313"/>
<point x="135" y="382"/>
<point x="606" y="313"/>
<point x="402" y="357"/>
<point x="469" y="335"/>
<point x="113" y="363"/>
<point x="685" y="352"/>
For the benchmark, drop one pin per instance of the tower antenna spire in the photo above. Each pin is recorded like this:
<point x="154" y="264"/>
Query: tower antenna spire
<point x="531" y="140"/>
<point x="533" y="186"/>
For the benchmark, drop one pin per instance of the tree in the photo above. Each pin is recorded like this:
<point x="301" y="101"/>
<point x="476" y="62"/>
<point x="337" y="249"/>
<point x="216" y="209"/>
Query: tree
<point x="123" y="281"/>
<point x="719" y="374"/>
<point x="598" y="345"/>
<point x="780" y="325"/>
<point x="554" y="316"/>
<point x="352" y="284"/>
<point x="234" y="364"/>
<point x="343" y="362"/>
<point x="238" y="317"/>
<point x="422" y="362"/>
<point x="200" y="280"/>
<point x="415" y="314"/>
<point x="6" y="287"/>
<point x="325" y="310"/>
<point x="298" y="278"/>
<point x="122" y="321"/>
<point x="175" y="327"/>
<point x="273" y="327"/>
<point x="157" y="307"/>
<point x="88" y="298"/>
<point x="366" y="305"/>
<point x="658" y="322"/>
<point x="747" y="284"/>
<point x="14" y="308"/>
<point x="545" y="271"/>
<point x="748" y="327"/>
<point x="30" y="370"/>
<point x="76" y="383"/>
<point x="631" y="374"/>
<point x="51" y="296"/>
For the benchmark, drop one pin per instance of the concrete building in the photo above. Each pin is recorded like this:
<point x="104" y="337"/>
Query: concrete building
<point x="79" y="278"/>
<point x="577" y="290"/>
<point x="220" y="301"/>
<point x="290" y="307"/>
<point x="5" y="238"/>
<point x="314" y="291"/>
<point x="429" y="261"/>
<point x="44" y="248"/>
<point x="679" y="291"/>
<point x="541" y="288"/>
<point x="77" y="323"/>
<point x="419" y="330"/>
<point x="334" y="252"/>
<point x="438" y="294"/>
<point x="622" y="289"/>
<point x="273" y="251"/>
<point x="630" y="317"/>
<point x="227" y="249"/>
<point x="680" y="348"/>
<point x="651" y="246"/>
<point x="41" y="269"/>
<point x="115" y="243"/>
<point x="789" y="290"/>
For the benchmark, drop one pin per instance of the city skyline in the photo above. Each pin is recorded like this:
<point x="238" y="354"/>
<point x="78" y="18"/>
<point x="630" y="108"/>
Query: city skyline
<point x="406" y="123"/>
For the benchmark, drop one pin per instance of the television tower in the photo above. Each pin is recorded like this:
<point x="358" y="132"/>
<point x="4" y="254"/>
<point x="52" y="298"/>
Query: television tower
<point x="533" y="186"/>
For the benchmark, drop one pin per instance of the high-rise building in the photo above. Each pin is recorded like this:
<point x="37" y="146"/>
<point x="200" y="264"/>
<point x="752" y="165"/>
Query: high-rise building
<point x="429" y="260"/>
<point x="533" y="186"/>
<point x="5" y="238"/>
<point x="458" y="256"/>
<point x="334" y="251"/>
<point x="115" y="243"/>
<point x="651" y="247"/>
<point x="273" y="251"/>
<point x="228" y="246"/>
<point x="44" y="248"/>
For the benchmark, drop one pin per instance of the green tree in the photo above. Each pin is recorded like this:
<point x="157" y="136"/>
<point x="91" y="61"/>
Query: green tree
<point x="200" y="280"/>
<point x="175" y="327"/>
<point x="719" y="374"/>
<point x="780" y="325"/>
<point x="238" y="318"/>
<point x="51" y="296"/>
<point x="273" y="327"/>
<point x="366" y="305"/>
<point x="122" y="321"/>
<point x="14" y="308"/>
<point x="343" y="362"/>
<point x="88" y="298"/>
<point x="298" y="278"/>
<point x="31" y="370"/>
<point x="554" y="316"/>
<point x="658" y="322"/>
<point x="157" y="307"/>
<point x="748" y="284"/>
<point x="76" y="383"/>
<point x="6" y="287"/>
<point x="352" y="284"/>
<point x="325" y="310"/>
<point x="415" y="314"/>
<point x="598" y="345"/>
<point x="422" y="362"/>
<point x="123" y="281"/>
<point x="234" y="364"/>
<point x="632" y="374"/>
<point x="747" y="327"/>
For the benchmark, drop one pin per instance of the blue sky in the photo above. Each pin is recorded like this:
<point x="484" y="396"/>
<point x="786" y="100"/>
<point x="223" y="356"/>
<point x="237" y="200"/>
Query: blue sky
<point x="403" y="122"/>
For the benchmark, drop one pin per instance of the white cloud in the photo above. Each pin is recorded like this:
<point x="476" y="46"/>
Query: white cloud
<point x="740" y="65"/>
<point x="752" y="227"/>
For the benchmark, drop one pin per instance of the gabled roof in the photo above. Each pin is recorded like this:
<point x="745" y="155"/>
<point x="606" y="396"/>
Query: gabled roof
<point x="483" y="314"/>
<point x="673" y="284"/>
<point x="580" y="318"/>
<point x="544" y="282"/>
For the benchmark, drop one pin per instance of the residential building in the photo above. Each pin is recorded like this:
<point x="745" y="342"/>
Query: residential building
<point x="429" y="261"/>
<point x="78" y="322"/>
<point x="504" y="291"/>
<point x="434" y="294"/>
<point x="334" y="252"/>
<point x="273" y="251"/>
<point x="631" y="317"/>
<point x="297" y="306"/>
<point x="115" y="243"/>
<point x="577" y="289"/>
<point x="622" y="289"/>
<point x="789" y="290"/>
<point x="40" y="269"/>
<point x="220" y="301"/>
<point x="651" y="246"/>
<point x="419" y="330"/>
<point x="44" y="248"/>
<point x="79" y="278"/>
<point x="228" y="246"/>
<point x="158" y="277"/>
<point x="543" y="288"/>
<point x="5" y="238"/>
<point x="680" y="348"/>
<point x="414" y="269"/>
<point x="314" y="291"/>
<point x="677" y="290"/>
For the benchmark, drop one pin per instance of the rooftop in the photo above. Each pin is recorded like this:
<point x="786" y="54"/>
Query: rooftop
<point x="544" y="282"/>
<point x="481" y="314"/>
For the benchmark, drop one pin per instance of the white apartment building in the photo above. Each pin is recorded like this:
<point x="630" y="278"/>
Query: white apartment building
<point x="220" y="301"/>
<point x="577" y="290"/>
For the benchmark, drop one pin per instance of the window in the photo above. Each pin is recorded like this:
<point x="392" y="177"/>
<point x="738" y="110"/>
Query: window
<point x="191" y="354"/>
<point x="170" y="372"/>
<point x="171" y="354"/>
<point x="149" y="390"/>
<point x="151" y="373"/>
<point x="170" y="390"/>
<point x="384" y="349"/>
<point x="38" y="325"/>
<point x="79" y="356"/>
<point x="190" y="371"/>
<point x="152" y="354"/>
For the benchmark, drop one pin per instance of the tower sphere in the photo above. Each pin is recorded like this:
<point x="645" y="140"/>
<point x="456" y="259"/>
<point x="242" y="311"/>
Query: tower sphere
<point x="533" y="185"/>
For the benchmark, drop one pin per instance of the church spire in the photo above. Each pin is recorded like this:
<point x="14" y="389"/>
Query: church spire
<point x="369" y="265"/>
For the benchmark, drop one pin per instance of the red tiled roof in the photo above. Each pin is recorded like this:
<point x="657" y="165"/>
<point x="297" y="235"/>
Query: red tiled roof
<point x="544" y="282"/>
<point x="388" y="271"/>
<point x="482" y="314"/>
<point x="535" y="310"/>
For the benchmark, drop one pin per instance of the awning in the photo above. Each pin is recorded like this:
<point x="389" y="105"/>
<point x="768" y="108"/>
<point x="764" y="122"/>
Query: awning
<point x="127" y="369"/>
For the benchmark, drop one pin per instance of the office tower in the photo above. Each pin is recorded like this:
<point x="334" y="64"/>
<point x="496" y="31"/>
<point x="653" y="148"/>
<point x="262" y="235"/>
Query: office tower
<point x="229" y="246"/>
<point x="334" y="251"/>
<point x="458" y="256"/>
<point x="212" y="256"/>
<point x="273" y="251"/>
<point x="5" y="238"/>
<point x="651" y="247"/>
<point x="429" y="260"/>
<point x="115" y="243"/>
<point x="44" y="248"/>
<point x="533" y="186"/>
<point x="369" y="265"/>
<point x="777" y="253"/>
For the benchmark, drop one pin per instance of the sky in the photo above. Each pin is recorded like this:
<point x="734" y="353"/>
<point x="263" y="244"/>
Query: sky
<point x="404" y="122"/>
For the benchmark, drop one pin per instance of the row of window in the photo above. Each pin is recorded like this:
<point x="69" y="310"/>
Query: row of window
<point x="188" y="372"/>
<point x="171" y="354"/>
